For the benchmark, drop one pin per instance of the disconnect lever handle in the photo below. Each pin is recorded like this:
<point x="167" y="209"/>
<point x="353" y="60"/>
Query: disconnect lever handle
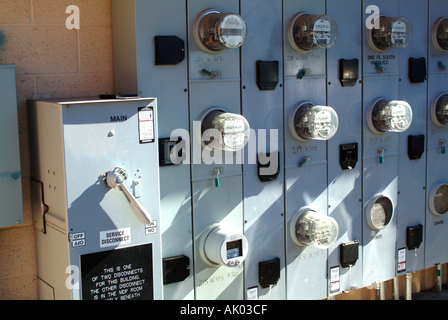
<point x="116" y="178"/>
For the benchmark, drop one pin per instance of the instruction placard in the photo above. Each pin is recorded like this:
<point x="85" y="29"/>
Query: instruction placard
<point x="124" y="274"/>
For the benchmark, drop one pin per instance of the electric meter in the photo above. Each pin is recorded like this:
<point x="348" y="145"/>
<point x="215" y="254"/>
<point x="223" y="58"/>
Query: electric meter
<point x="438" y="200"/>
<point x="393" y="32"/>
<point x="440" y="34"/>
<point x="224" y="131"/>
<point x="389" y="116"/>
<point x="309" y="228"/>
<point x="220" y="247"/>
<point x="310" y="122"/>
<point x="380" y="212"/>
<point x="216" y="31"/>
<point x="439" y="110"/>
<point x="308" y="32"/>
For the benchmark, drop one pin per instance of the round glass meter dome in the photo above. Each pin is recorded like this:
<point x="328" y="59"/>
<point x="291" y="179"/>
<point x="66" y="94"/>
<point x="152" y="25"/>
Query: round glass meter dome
<point x="309" y="122"/>
<point x="217" y="31"/>
<point x="438" y="201"/>
<point x="309" y="228"/>
<point x="308" y="32"/>
<point x="393" y="32"/>
<point x="224" y="131"/>
<point x="380" y="212"/>
<point x="439" y="111"/>
<point x="440" y="34"/>
<point x="389" y="116"/>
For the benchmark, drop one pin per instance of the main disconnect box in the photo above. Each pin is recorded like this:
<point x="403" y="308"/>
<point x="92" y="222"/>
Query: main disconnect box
<point x="95" y="186"/>
<point x="300" y="146"/>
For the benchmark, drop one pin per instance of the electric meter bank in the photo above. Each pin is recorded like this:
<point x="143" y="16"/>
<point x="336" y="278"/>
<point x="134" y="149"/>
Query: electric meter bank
<point x="278" y="147"/>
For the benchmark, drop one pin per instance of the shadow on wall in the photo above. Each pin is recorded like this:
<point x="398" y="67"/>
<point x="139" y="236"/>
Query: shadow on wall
<point x="2" y="40"/>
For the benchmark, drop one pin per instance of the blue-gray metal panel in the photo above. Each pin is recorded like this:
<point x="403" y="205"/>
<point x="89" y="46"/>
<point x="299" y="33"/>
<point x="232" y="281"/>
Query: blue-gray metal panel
<point x="344" y="186"/>
<point x="412" y="174"/>
<point x="212" y="205"/>
<point x="436" y="226"/>
<point x="11" y="213"/>
<point x="379" y="248"/>
<point x="169" y="83"/>
<point x="263" y="202"/>
<point x="306" y="267"/>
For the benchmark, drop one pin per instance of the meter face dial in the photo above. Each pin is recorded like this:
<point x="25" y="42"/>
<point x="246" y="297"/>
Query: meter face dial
<point x="314" y="229"/>
<point x="393" y="32"/>
<point x="440" y="111"/>
<point x="218" y="31"/>
<point x="220" y="247"/>
<point x="225" y="131"/>
<point x="399" y="34"/>
<point x="232" y="31"/>
<point x="390" y="116"/>
<point x="439" y="200"/>
<point x="234" y="249"/>
<point x="380" y="213"/>
<point x="308" y="32"/>
<point x="310" y="122"/>
<point x="440" y="35"/>
<point x="322" y="33"/>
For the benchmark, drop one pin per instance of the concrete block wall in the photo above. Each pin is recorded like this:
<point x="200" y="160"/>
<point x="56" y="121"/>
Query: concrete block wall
<point x="53" y="61"/>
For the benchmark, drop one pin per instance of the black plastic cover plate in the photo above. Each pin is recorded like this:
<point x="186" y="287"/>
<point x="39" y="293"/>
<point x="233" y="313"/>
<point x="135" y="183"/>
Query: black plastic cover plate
<point x="416" y="146"/>
<point x="175" y="269"/>
<point x="349" y="253"/>
<point x="170" y="50"/>
<point x="417" y="70"/>
<point x="266" y="163"/>
<point x="269" y="273"/>
<point x="348" y="72"/>
<point x="414" y="237"/>
<point x="267" y="75"/>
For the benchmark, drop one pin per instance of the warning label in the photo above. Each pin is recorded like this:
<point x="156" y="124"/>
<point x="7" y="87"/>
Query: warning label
<point x="335" y="284"/>
<point x="114" y="238"/>
<point x="146" y="125"/>
<point x="402" y="260"/>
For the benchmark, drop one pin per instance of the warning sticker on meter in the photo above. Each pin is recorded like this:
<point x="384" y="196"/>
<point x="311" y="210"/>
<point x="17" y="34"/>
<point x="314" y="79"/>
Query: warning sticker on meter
<point x="146" y="125"/>
<point x="335" y="284"/>
<point x="402" y="260"/>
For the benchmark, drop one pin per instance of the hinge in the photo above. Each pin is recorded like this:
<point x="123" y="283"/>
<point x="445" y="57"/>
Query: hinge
<point x="38" y="207"/>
